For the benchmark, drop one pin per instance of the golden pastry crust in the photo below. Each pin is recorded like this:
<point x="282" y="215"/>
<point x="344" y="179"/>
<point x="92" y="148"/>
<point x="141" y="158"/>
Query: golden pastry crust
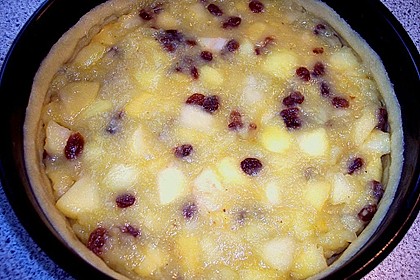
<point x="80" y="35"/>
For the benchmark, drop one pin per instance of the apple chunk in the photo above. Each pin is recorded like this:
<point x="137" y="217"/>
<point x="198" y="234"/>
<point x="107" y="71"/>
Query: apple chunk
<point x="75" y="97"/>
<point x="82" y="197"/>
<point x="314" y="143"/>
<point x="279" y="253"/>
<point x="171" y="184"/>
<point x="309" y="261"/>
<point x="317" y="193"/>
<point x="56" y="138"/>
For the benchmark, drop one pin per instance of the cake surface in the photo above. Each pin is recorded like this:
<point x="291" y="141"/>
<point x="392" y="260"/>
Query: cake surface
<point x="213" y="140"/>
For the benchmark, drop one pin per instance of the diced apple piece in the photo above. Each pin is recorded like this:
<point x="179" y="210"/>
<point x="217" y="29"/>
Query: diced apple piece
<point x="171" y="184"/>
<point x="82" y="197"/>
<point x="194" y="117"/>
<point x="213" y="44"/>
<point x="76" y="96"/>
<point x="136" y="106"/>
<point x="147" y="80"/>
<point x="378" y="142"/>
<point x="138" y="144"/>
<point x="309" y="261"/>
<point x="280" y="64"/>
<point x="153" y="259"/>
<point x="272" y="193"/>
<point x="374" y="168"/>
<point x="228" y="168"/>
<point x="121" y="177"/>
<point x="252" y="93"/>
<point x="341" y="189"/>
<point x="210" y="77"/>
<point x="344" y="60"/>
<point x="207" y="189"/>
<point x="96" y="108"/>
<point x="275" y="139"/>
<point x="188" y="248"/>
<point x="316" y="193"/>
<point x="279" y="253"/>
<point x="314" y="143"/>
<point x="56" y="138"/>
<point x="90" y="54"/>
<point x="363" y="127"/>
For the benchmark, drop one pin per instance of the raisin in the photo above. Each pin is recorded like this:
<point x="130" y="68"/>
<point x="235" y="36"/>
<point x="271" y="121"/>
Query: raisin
<point x="232" y="22"/>
<point x="232" y="45"/>
<point x="325" y="89"/>
<point x="367" y="212"/>
<point x="74" y="146"/>
<point x="251" y="166"/>
<point x="319" y="28"/>
<point x="382" y="116"/>
<point x="170" y="39"/>
<point x="214" y="10"/>
<point x="125" y="200"/>
<point x="256" y="6"/>
<point x="97" y="239"/>
<point x="303" y="73"/>
<point x="355" y="165"/>
<point x="377" y="190"/>
<point x="115" y="124"/>
<point x="319" y="69"/>
<point x="191" y="42"/>
<point x="293" y="99"/>
<point x="235" y="121"/>
<point x="340" y="102"/>
<point x="252" y="126"/>
<point x="145" y="15"/>
<point x="196" y="99"/>
<point x="183" y="150"/>
<point x="194" y="72"/>
<point x="206" y="55"/>
<point x="318" y="50"/>
<point x="158" y="8"/>
<point x="127" y="228"/>
<point x="262" y="47"/>
<point x="211" y="103"/>
<point x="189" y="210"/>
<point x="291" y="117"/>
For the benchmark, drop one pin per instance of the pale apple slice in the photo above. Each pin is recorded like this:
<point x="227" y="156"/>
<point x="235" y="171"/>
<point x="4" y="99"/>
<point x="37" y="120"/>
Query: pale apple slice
<point x="275" y="139"/>
<point x="56" y="139"/>
<point x="317" y="193"/>
<point x="363" y="127"/>
<point x="281" y="64"/>
<point x="81" y="198"/>
<point x="272" y="193"/>
<point x="378" y="142"/>
<point x="229" y="169"/>
<point x="214" y="44"/>
<point x="90" y="54"/>
<point x="171" y="184"/>
<point x="309" y="261"/>
<point x="208" y="190"/>
<point x="194" y="117"/>
<point x="314" y="143"/>
<point x="121" y="177"/>
<point x="279" y="253"/>
<point x="341" y="191"/>
<point x="211" y="77"/>
<point x="152" y="260"/>
<point x="76" y="96"/>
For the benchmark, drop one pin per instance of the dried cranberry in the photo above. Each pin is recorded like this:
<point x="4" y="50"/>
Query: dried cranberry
<point x="291" y="117"/>
<point x="191" y="42"/>
<point x="232" y="45"/>
<point x="145" y="15"/>
<point x="232" y="22"/>
<point x="235" y="121"/>
<point x="318" y="50"/>
<point x="183" y="150"/>
<point x="194" y="72"/>
<point x="170" y="39"/>
<point x="189" y="210"/>
<point x="367" y="213"/>
<point x="125" y="200"/>
<point x="127" y="228"/>
<point x="319" y="28"/>
<point x="211" y="103"/>
<point x="293" y="99"/>
<point x="303" y="73"/>
<point x="325" y="89"/>
<point x="74" y="146"/>
<point x="206" y="55"/>
<point x="97" y="239"/>
<point x="256" y="6"/>
<point x="377" y="190"/>
<point x="354" y="165"/>
<point x="319" y="69"/>
<point x="196" y="99"/>
<point x="340" y="102"/>
<point x="214" y="10"/>
<point x="251" y="166"/>
<point x="382" y="116"/>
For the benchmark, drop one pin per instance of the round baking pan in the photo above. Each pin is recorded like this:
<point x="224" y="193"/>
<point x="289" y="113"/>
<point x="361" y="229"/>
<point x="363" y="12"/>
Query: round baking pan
<point x="368" y="17"/>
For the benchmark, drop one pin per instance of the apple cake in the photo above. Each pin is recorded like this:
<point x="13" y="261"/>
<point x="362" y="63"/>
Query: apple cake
<point x="246" y="139"/>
